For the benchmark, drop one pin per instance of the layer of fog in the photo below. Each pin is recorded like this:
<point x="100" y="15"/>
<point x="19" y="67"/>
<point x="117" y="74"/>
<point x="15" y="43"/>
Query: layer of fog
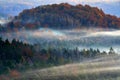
<point x="82" y="38"/>
<point x="99" y="66"/>
<point x="4" y="21"/>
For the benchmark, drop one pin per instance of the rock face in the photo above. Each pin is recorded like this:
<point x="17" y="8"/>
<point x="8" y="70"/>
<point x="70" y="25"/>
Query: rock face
<point x="64" y="16"/>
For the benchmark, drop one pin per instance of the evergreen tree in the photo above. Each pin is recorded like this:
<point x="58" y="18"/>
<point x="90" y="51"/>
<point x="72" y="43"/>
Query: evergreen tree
<point x="111" y="51"/>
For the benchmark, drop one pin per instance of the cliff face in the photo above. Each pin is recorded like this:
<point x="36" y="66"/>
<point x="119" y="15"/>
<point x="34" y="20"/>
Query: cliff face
<point x="64" y="16"/>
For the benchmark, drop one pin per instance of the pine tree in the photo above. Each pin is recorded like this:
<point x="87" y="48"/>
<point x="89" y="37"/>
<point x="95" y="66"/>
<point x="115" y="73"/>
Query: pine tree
<point x="111" y="51"/>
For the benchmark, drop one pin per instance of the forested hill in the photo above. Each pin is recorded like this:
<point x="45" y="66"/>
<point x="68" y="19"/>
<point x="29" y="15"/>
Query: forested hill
<point x="64" y="16"/>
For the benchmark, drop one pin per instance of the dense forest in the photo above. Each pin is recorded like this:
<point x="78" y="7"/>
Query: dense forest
<point x="16" y="55"/>
<point x="64" y="16"/>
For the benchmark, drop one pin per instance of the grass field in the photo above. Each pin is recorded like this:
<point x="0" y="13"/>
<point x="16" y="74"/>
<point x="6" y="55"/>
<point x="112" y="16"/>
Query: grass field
<point x="103" y="68"/>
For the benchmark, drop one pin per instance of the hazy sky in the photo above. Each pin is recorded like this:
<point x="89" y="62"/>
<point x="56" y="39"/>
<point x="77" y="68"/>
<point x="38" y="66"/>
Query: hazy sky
<point x="109" y="6"/>
<point x="37" y="2"/>
<point x="52" y="1"/>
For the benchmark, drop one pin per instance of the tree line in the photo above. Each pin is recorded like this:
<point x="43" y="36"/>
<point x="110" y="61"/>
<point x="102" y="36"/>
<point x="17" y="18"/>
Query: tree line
<point x="22" y="56"/>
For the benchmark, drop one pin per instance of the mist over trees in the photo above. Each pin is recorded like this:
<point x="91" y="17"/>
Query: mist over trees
<point x="21" y="56"/>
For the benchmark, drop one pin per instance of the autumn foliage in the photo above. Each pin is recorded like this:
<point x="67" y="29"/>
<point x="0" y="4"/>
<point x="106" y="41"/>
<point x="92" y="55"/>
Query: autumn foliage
<point x="64" y="16"/>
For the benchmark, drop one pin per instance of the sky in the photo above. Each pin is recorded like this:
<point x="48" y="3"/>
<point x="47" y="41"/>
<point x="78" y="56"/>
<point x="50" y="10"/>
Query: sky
<point x="108" y="6"/>
<point x="34" y="2"/>
<point x="28" y="1"/>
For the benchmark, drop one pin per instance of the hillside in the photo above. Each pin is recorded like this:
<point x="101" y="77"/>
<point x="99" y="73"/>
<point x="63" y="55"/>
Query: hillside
<point x="64" y="16"/>
<point x="102" y="68"/>
<point x="17" y="55"/>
